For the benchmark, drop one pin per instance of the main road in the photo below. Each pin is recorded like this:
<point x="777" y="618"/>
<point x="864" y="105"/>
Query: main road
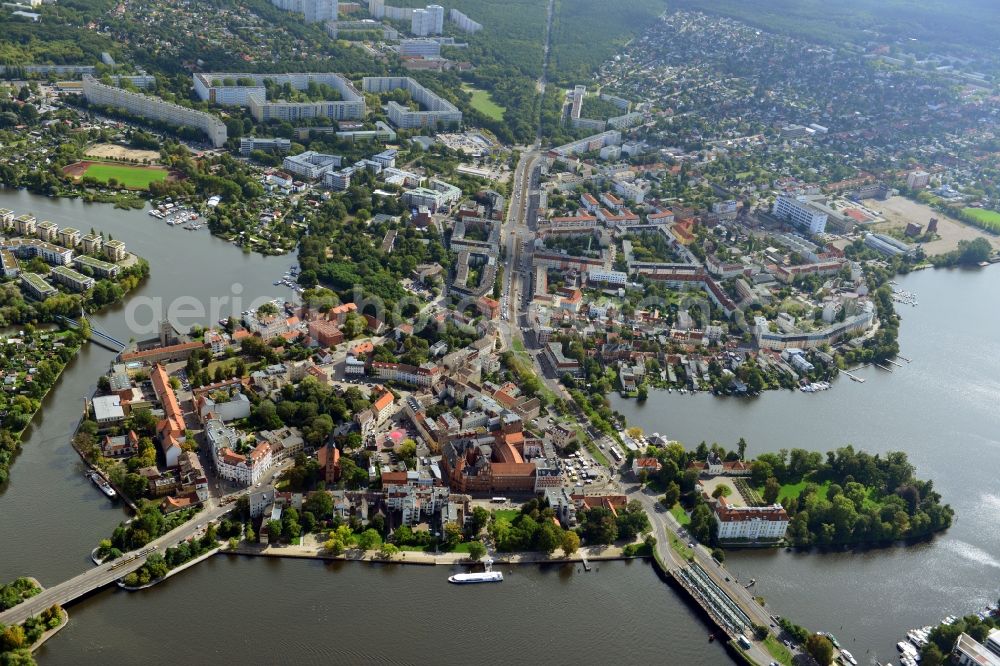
<point x="665" y="528"/>
<point x="108" y="573"/>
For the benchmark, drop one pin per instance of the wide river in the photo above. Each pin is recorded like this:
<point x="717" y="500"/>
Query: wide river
<point x="238" y="610"/>
<point x="943" y="409"/>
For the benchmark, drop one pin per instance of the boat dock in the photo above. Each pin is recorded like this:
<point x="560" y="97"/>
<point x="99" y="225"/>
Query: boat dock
<point x="898" y="365"/>
<point x="586" y="564"/>
<point x="903" y="357"/>
<point x="860" y="380"/>
<point x="882" y="367"/>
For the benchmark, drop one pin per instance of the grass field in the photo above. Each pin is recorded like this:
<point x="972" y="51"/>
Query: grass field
<point x="987" y="219"/>
<point x="132" y="177"/>
<point x="483" y="102"/>
<point x="507" y="514"/>
<point x="778" y="650"/>
<point x="681" y="515"/>
<point x="790" y="490"/>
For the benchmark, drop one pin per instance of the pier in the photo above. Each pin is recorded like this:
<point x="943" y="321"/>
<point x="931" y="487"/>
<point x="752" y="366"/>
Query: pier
<point x="882" y="367"/>
<point x="860" y="380"/>
<point x="898" y="365"/>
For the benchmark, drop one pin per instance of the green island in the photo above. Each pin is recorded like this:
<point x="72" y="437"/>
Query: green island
<point x="847" y="497"/>
<point x="17" y="641"/>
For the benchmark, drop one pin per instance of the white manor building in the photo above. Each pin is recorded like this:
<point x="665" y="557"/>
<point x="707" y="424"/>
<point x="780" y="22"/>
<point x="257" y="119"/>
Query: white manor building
<point x="750" y="523"/>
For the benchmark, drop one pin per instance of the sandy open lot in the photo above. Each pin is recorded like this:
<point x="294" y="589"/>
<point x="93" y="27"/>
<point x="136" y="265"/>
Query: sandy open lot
<point x="898" y="211"/>
<point x="122" y="153"/>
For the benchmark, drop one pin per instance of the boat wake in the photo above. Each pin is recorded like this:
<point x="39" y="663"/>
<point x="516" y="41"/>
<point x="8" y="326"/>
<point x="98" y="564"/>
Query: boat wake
<point x="972" y="553"/>
<point x="990" y="501"/>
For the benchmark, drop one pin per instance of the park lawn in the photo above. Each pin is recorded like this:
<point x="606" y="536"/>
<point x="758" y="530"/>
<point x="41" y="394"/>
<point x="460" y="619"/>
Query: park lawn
<point x="508" y="514"/>
<point x="680" y="546"/>
<point x="681" y="515"/>
<point x="129" y="176"/>
<point x="483" y="102"/>
<point x="517" y="345"/>
<point x="778" y="650"/>
<point x="790" y="490"/>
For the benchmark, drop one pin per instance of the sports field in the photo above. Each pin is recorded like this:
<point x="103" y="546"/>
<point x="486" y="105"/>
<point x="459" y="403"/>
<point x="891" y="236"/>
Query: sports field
<point x="131" y="177"/>
<point x="484" y="104"/>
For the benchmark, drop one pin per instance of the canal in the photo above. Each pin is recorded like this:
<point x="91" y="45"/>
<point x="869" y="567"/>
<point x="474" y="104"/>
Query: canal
<point x="943" y="409"/>
<point x="53" y="517"/>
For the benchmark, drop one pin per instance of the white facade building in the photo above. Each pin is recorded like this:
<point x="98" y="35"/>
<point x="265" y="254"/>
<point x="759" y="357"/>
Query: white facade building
<point x="799" y="212"/>
<point x="750" y="523"/>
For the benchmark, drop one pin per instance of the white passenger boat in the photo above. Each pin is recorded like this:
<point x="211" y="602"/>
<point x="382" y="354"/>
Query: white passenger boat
<point x="488" y="576"/>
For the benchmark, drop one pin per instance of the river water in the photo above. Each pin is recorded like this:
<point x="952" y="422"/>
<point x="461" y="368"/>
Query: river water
<point x="230" y="610"/>
<point x="943" y="409"/>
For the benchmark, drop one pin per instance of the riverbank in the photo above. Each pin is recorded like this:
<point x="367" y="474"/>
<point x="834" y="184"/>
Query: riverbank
<point x="49" y="633"/>
<point x="176" y="570"/>
<point x="317" y="552"/>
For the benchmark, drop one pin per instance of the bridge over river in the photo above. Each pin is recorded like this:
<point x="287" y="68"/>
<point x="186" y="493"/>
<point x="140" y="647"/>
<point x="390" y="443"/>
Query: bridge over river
<point x="106" y="574"/>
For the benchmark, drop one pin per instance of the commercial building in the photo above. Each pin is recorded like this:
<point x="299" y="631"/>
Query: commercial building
<point x="311" y="165"/>
<point x="800" y="212"/>
<point x="970" y="652"/>
<point x="617" y="278"/>
<point x="424" y="48"/>
<point x="435" y="111"/>
<point x="248" y="144"/>
<point x="108" y="409"/>
<point x="248" y="90"/>
<point x="889" y="246"/>
<point x="154" y="108"/>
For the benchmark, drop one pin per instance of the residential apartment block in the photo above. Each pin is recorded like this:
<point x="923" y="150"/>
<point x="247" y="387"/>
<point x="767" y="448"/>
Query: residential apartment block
<point x="155" y="108"/>
<point x="435" y="111"/>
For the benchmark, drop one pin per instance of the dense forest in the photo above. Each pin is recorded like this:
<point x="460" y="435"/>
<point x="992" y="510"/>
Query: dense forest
<point x="962" y="25"/>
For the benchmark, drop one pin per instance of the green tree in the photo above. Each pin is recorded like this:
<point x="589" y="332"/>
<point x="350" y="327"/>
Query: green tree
<point x="452" y="534"/>
<point x="369" y="540"/>
<point x="671" y="495"/>
<point x="771" y="490"/>
<point x="476" y="550"/>
<point x="570" y="542"/>
<point x="820" y="648"/>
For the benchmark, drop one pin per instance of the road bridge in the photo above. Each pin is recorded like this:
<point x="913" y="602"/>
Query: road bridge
<point x="101" y="576"/>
